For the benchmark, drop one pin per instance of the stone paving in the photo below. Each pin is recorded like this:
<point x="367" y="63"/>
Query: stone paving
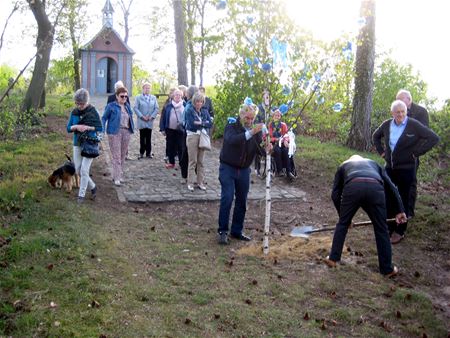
<point x="147" y="180"/>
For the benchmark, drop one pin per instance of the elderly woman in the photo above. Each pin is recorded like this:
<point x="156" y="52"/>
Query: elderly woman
<point x="118" y="122"/>
<point x="170" y="125"/>
<point x="84" y="118"/>
<point x="146" y="109"/>
<point x="405" y="139"/>
<point x="278" y="137"/>
<point x="196" y="120"/>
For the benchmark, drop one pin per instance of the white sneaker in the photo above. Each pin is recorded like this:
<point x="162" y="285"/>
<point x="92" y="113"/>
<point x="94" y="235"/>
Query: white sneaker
<point x="202" y="187"/>
<point x="190" y="187"/>
<point x="117" y="183"/>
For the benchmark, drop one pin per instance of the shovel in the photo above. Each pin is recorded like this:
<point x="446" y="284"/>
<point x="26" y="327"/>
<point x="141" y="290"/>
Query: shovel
<point x="305" y="230"/>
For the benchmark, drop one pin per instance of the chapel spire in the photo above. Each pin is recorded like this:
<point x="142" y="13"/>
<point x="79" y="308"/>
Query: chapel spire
<point x="108" y="11"/>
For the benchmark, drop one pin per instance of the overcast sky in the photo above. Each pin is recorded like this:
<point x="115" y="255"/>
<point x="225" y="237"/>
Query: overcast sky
<point x="415" y="31"/>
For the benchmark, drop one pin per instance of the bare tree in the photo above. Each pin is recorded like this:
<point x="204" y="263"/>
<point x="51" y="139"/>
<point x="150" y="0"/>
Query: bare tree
<point x="180" y="40"/>
<point x="126" y="15"/>
<point x="35" y="96"/>
<point x="359" y="136"/>
<point x="191" y="21"/>
<point x="15" y="8"/>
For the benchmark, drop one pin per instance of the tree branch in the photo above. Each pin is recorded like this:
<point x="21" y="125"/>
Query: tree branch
<point x="16" y="7"/>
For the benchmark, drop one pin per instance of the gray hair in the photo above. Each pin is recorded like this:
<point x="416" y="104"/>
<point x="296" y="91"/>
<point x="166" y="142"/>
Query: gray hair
<point x="245" y="108"/>
<point x="81" y="96"/>
<point x="117" y="85"/>
<point x="191" y="91"/>
<point x="398" y="103"/>
<point x="198" y="96"/>
<point x="404" y="92"/>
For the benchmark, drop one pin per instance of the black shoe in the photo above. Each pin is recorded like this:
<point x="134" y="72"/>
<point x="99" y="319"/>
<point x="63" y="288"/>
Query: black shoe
<point x="141" y="156"/>
<point x="241" y="237"/>
<point x="290" y="176"/>
<point x="223" y="238"/>
<point x="94" y="193"/>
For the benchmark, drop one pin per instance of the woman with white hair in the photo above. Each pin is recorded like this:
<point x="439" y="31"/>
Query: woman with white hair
<point x="146" y="108"/>
<point x="405" y="139"/>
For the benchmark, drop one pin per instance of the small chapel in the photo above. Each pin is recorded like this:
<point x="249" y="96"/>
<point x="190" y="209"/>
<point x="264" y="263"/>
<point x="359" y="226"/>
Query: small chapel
<point x="106" y="59"/>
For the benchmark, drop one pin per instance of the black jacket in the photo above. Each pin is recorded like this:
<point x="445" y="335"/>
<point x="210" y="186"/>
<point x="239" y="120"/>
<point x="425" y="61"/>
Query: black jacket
<point x="419" y="113"/>
<point x="415" y="141"/>
<point x="236" y="150"/>
<point x="364" y="167"/>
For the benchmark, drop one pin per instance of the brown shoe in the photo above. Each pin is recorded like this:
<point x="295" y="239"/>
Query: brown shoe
<point x="393" y="273"/>
<point x="396" y="238"/>
<point x="329" y="262"/>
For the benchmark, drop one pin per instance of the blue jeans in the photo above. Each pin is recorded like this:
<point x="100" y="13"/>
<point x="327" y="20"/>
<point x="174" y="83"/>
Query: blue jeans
<point x="235" y="182"/>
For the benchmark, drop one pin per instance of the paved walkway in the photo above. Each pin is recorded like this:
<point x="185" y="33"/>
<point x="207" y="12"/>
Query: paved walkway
<point x="147" y="180"/>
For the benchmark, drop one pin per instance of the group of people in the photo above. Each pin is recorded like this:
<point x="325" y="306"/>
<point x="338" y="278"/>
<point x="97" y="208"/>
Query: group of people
<point x="359" y="182"/>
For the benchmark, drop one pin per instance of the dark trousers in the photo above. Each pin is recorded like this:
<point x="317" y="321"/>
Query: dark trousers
<point x="370" y="197"/>
<point x="403" y="179"/>
<point x="174" y="139"/>
<point x="281" y="156"/>
<point x="413" y="192"/>
<point x="145" y="138"/>
<point x="184" y="160"/>
<point x="234" y="182"/>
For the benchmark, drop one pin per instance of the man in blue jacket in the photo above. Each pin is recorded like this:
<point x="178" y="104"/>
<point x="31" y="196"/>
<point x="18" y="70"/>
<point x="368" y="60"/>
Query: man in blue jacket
<point x="241" y="142"/>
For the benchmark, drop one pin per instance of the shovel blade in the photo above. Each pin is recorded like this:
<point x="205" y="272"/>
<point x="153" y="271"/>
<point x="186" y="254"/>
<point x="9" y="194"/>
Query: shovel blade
<point x="302" y="231"/>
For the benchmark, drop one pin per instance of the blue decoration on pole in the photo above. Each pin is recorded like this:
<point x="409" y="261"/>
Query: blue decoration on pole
<point x="255" y="61"/>
<point x="248" y="101"/>
<point x="248" y="61"/>
<point x="231" y="120"/>
<point x="221" y="4"/>
<point x="267" y="67"/>
<point x="320" y="100"/>
<point x="317" y="77"/>
<point x="338" y="107"/>
<point x="250" y="19"/>
<point x="284" y="108"/>
<point x="251" y="72"/>
<point x="286" y="90"/>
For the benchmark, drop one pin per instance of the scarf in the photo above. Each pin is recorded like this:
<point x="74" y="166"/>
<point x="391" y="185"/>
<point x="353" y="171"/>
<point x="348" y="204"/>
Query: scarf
<point x="88" y="116"/>
<point x="178" y="107"/>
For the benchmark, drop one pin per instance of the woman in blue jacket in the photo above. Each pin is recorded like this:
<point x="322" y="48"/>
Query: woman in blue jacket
<point x="196" y="120"/>
<point x="118" y="122"/>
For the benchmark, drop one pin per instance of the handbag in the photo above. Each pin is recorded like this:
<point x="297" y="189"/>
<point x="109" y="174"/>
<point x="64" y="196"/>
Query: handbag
<point x="89" y="146"/>
<point x="205" y="141"/>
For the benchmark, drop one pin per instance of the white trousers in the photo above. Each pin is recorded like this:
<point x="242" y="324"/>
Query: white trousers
<point x="82" y="167"/>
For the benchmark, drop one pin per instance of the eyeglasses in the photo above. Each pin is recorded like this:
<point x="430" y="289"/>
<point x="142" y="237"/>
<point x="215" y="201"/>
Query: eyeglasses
<point x="123" y="96"/>
<point x="80" y="103"/>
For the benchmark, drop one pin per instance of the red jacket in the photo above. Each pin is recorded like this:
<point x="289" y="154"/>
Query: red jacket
<point x="276" y="133"/>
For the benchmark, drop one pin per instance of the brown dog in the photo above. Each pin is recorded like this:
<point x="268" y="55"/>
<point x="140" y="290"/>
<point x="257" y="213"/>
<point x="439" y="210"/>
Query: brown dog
<point x="64" y="176"/>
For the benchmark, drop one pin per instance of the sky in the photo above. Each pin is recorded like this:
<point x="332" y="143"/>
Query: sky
<point x="414" y="31"/>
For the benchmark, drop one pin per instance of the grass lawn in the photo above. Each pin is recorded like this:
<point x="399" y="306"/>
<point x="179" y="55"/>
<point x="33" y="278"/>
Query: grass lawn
<point x="120" y="270"/>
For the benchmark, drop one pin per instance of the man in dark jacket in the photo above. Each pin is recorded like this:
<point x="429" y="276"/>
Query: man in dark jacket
<point x="420" y="114"/>
<point x="405" y="139"/>
<point x="241" y="142"/>
<point x="361" y="182"/>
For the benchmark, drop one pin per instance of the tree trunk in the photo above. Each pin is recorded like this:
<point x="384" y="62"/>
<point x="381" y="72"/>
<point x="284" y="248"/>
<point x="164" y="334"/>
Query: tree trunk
<point x="35" y="97"/>
<point x="76" y="56"/>
<point x="202" y="45"/>
<point x="180" y="27"/>
<point x="359" y="137"/>
<point x="190" y="12"/>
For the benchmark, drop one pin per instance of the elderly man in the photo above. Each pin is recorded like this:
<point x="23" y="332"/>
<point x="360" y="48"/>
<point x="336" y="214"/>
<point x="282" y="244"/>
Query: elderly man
<point x="420" y="114"/>
<point x="241" y="141"/>
<point x="405" y="139"/>
<point x="414" y="110"/>
<point x="361" y="182"/>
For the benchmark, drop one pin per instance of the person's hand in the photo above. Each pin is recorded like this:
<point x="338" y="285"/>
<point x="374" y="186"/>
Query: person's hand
<point x="401" y="218"/>
<point x="257" y="128"/>
<point x="269" y="147"/>
<point x="286" y="142"/>
<point x="382" y="154"/>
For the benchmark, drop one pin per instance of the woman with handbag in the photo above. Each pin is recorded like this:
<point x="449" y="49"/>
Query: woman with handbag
<point x="172" y="128"/>
<point x="84" y="120"/>
<point x="197" y="120"/>
<point x="118" y="122"/>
